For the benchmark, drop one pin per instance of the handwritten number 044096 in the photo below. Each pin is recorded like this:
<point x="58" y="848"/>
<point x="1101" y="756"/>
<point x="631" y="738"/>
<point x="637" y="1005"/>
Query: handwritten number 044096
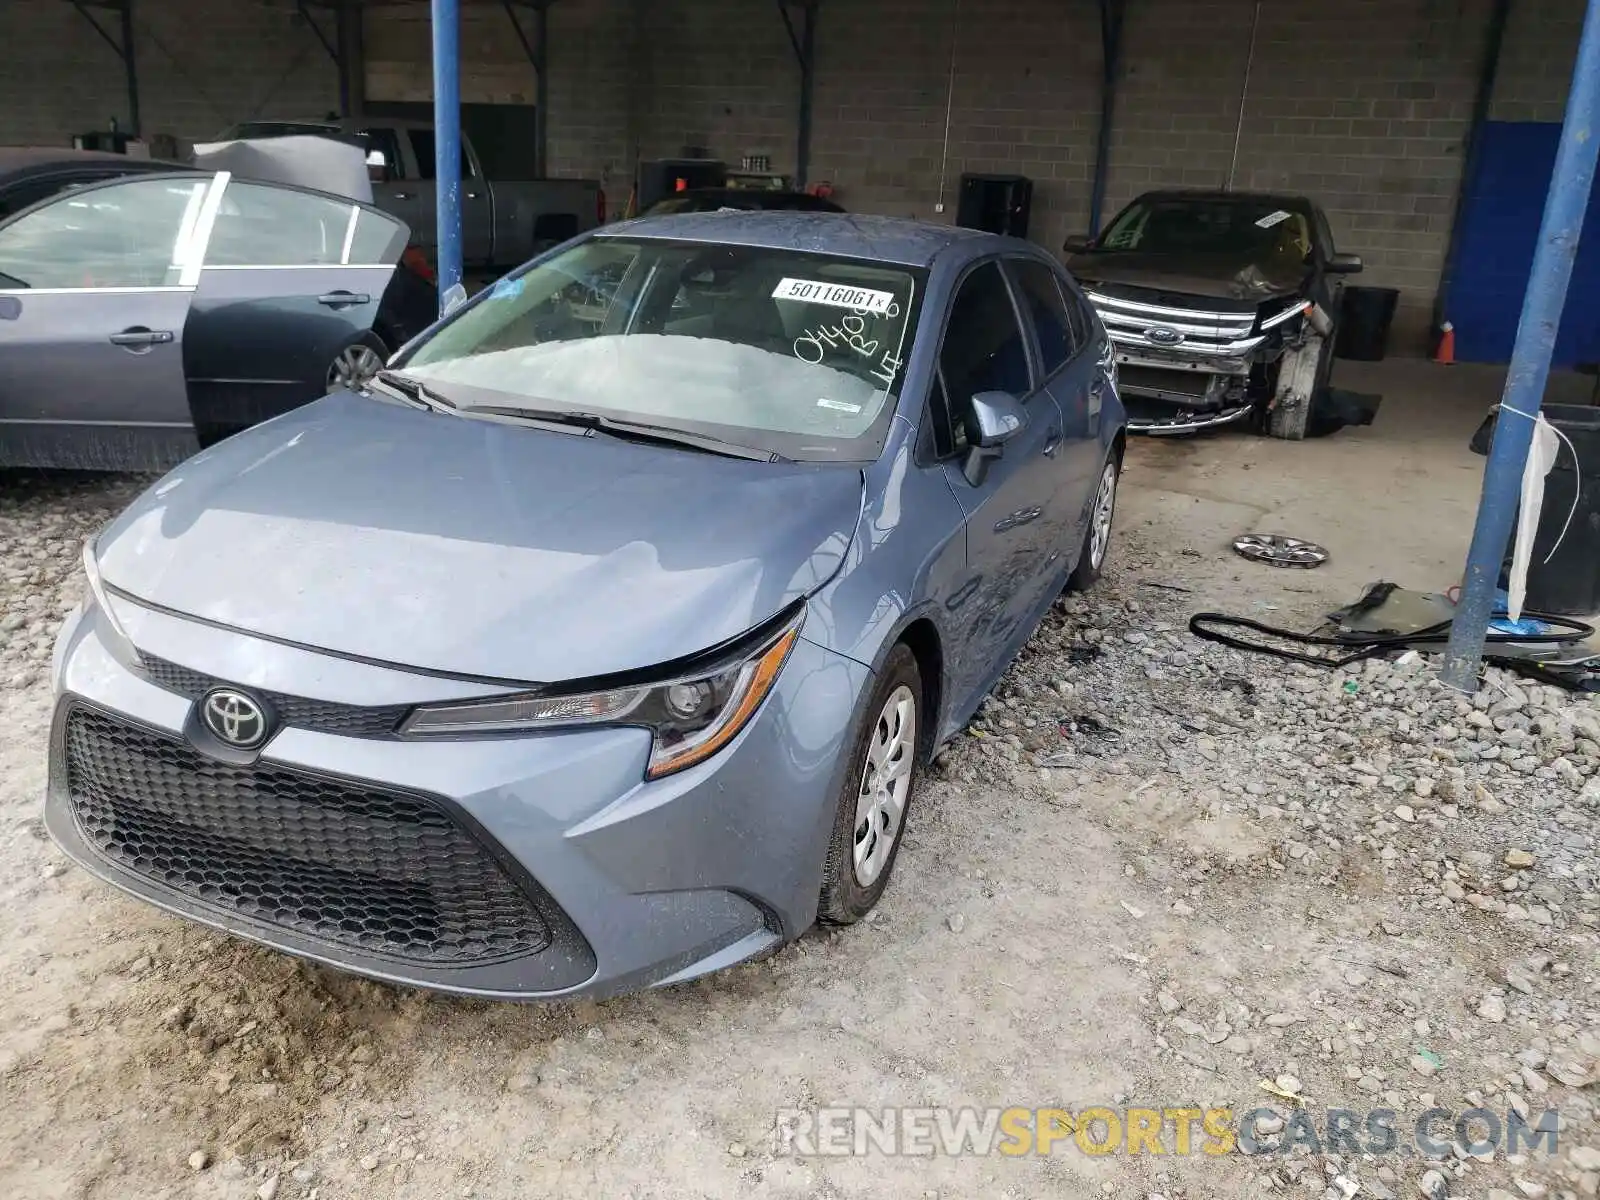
<point x="851" y="331"/>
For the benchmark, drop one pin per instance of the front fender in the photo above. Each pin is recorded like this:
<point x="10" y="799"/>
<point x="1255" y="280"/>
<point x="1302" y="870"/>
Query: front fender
<point x="908" y="555"/>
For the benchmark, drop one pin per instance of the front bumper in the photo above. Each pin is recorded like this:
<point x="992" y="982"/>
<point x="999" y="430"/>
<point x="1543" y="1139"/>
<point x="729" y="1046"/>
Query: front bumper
<point x="637" y="884"/>
<point x="1185" y="421"/>
<point x="1173" y="394"/>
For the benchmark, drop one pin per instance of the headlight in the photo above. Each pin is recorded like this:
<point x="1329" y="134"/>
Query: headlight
<point x="690" y="717"/>
<point x="1298" y="308"/>
<point x="97" y="593"/>
<point x="1108" y="361"/>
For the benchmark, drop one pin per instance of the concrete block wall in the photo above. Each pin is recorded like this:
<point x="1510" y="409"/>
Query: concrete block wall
<point x="1019" y="80"/>
<point x="1536" y="60"/>
<point x="591" y="73"/>
<point x="202" y="65"/>
<point x="1364" y="104"/>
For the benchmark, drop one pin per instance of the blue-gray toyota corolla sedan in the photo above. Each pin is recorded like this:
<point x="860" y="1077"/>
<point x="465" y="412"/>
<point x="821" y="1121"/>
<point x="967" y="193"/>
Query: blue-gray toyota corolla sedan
<point x="598" y="643"/>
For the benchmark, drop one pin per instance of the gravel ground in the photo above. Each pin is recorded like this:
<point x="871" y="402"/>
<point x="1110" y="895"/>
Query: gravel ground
<point x="1156" y="872"/>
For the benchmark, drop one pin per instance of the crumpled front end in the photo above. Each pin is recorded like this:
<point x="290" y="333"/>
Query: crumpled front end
<point x="1187" y="363"/>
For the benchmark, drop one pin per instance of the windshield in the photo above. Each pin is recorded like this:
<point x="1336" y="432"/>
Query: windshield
<point x="800" y="355"/>
<point x="1258" y="229"/>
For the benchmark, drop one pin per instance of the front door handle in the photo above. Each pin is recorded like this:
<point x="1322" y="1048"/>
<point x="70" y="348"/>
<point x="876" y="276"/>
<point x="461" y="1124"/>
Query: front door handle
<point x="1052" y="443"/>
<point x="472" y="195"/>
<point x="405" y="195"/>
<point x="344" y="299"/>
<point x="138" y="338"/>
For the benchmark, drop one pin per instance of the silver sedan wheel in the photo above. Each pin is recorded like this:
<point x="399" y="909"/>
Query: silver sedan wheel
<point x="885" y="784"/>
<point x="1105" y="506"/>
<point x="353" y="366"/>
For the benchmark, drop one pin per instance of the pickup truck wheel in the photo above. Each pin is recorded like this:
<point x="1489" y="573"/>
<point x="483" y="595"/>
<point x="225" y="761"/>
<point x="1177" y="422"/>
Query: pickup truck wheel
<point x="358" y="362"/>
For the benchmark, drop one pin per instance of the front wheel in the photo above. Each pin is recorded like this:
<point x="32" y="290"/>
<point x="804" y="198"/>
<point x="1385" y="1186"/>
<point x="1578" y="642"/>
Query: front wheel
<point x="876" y="795"/>
<point x="1097" y="538"/>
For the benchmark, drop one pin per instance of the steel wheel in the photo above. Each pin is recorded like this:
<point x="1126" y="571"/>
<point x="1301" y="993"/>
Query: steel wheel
<point x="885" y="784"/>
<point x="353" y="366"/>
<point x="1105" y="505"/>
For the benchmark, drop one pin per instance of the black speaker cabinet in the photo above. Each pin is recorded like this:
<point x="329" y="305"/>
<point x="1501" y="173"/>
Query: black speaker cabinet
<point x="998" y="203"/>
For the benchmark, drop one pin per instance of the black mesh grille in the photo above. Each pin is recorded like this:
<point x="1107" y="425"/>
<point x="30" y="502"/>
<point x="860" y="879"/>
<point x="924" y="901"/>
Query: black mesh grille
<point x="387" y="873"/>
<point x="324" y="716"/>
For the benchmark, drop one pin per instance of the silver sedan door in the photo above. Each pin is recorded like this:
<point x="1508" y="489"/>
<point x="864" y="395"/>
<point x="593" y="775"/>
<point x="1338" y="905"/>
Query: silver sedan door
<point x="95" y="289"/>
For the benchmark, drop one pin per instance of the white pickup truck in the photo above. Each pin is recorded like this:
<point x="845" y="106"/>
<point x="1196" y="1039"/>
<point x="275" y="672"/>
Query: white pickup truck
<point x="504" y="222"/>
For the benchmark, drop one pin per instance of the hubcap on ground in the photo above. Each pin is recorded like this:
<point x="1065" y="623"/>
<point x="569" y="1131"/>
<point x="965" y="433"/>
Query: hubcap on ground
<point x="885" y="784"/>
<point x="1105" y="504"/>
<point x="353" y="367"/>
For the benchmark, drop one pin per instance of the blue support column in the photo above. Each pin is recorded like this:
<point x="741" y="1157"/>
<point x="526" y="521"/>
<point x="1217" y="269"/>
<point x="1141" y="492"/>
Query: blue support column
<point x="1565" y="208"/>
<point x="447" y="139"/>
<point x="1111" y="15"/>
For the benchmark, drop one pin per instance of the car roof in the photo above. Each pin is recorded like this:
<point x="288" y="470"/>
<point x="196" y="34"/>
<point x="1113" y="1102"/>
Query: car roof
<point x="27" y="158"/>
<point x="849" y="235"/>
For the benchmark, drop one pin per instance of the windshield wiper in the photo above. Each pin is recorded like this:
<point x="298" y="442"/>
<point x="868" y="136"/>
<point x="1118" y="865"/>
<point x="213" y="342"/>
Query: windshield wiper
<point x="414" y="390"/>
<point x="632" y="431"/>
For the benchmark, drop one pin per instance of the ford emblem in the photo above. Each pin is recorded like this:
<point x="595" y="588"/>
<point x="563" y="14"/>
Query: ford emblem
<point x="1163" y="335"/>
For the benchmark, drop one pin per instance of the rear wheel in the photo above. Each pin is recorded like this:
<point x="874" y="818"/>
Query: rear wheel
<point x="357" y="363"/>
<point x="1097" y="538"/>
<point x="876" y="795"/>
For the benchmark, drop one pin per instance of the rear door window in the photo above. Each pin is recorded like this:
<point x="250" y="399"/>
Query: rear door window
<point x="263" y="226"/>
<point x="378" y="239"/>
<point x="423" y="146"/>
<point x="1042" y="299"/>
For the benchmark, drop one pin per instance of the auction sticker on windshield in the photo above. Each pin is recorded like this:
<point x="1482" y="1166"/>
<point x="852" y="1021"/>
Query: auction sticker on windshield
<point x="1271" y="219"/>
<point x="838" y="295"/>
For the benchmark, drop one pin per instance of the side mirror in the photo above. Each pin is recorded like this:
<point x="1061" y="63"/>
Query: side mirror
<point x="997" y="417"/>
<point x="1344" y="264"/>
<point x="1080" y="244"/>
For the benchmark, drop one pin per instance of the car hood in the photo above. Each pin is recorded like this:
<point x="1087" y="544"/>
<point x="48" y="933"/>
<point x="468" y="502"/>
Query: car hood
<point x="1217" y="276"/>
<point x="479" y="548"/>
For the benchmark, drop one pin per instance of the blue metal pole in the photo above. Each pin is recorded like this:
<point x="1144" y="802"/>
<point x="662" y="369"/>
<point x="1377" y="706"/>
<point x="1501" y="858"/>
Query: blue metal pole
<point x="1565" y="208"/>
<point x="447" y="139"/>
<point x="1111" y="14"/>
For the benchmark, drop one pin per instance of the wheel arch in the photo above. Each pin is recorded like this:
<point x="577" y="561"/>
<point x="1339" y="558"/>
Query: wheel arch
<point x="921" y="637"/>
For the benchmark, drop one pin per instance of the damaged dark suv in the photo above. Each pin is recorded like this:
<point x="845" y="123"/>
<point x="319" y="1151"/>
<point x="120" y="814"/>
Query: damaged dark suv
<point x="1221" y="306"/>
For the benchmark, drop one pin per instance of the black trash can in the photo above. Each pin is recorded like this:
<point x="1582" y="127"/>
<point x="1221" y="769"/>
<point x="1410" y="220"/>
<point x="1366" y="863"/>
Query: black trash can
<point x="1569" y="584"/>
<point x="1364" y="320"/>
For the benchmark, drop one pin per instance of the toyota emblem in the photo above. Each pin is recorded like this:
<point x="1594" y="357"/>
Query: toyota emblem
<point x="1163" y="335"/>
<point x="235" y="718"/>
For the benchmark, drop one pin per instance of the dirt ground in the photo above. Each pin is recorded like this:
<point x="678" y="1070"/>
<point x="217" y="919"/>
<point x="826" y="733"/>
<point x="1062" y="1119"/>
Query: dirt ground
<point x="1123" y="931"/>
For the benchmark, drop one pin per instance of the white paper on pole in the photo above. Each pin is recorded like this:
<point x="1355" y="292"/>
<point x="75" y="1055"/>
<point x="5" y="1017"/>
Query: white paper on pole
<point x="1541" y="457"/>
